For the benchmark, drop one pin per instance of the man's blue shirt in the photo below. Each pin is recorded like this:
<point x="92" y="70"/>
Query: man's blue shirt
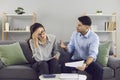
<point x="84" y="46"/>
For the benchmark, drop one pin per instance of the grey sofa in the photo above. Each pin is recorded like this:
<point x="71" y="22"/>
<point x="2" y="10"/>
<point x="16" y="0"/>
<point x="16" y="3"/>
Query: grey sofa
<point x="19" y="72"/>
<point x="111" y="72"/>
<point x="25" y="71"/>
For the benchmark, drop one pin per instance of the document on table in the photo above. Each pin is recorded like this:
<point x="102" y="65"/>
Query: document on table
<point x="74" y="64"/>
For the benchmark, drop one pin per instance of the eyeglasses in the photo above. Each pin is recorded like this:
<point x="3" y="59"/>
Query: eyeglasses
<point x="42" y="32"/>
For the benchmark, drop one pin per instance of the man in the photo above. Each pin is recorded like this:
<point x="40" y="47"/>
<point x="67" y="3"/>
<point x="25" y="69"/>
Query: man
<point x="84" y="43"/>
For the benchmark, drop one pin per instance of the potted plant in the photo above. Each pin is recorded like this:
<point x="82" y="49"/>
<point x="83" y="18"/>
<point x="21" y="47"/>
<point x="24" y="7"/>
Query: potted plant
<point x="19" y="10"/>
<point x="99" y="11"/>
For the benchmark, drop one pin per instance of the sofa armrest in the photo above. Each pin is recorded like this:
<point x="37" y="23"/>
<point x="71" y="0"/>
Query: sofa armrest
<point x="114" y="62"/>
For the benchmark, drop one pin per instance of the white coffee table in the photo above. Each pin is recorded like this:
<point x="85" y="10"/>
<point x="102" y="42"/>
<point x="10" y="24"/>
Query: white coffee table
<point x="67" y="77"/>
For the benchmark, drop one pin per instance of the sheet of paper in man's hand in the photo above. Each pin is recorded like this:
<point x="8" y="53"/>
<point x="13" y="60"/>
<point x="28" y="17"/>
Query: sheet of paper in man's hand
<point x="74" y="64"/>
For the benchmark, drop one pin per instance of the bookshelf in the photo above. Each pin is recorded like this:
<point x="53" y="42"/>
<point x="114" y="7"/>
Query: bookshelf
<point x="8" y="28"/>
<point x="105" y="26"/>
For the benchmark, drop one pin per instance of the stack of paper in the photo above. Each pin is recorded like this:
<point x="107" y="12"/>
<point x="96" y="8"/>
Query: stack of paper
<point x="69" y="76"/>
<point x="82" y="77"/>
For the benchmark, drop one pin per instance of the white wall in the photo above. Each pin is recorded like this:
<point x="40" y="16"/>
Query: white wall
<point x="59" y="16"/>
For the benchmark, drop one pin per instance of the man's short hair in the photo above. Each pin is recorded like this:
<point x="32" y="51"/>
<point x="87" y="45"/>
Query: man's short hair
<point x="85" y="20"/>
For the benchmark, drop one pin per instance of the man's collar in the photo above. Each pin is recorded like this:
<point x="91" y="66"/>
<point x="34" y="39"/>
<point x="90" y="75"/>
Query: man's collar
<point x="86" y="35"/>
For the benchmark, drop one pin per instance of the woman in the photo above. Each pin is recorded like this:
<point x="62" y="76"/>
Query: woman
<point x="42" y="46"/>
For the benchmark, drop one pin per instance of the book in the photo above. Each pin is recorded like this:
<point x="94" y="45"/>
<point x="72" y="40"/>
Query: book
<point x="74" y="64"/>
<point x="110" y="26"/>
<point x="49" y="75"/>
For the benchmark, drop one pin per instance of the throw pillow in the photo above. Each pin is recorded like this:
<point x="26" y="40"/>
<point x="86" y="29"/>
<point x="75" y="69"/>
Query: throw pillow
<point x="12" y="54"/>
<point x="103" y="53"/>
<point x="112" y="49"/>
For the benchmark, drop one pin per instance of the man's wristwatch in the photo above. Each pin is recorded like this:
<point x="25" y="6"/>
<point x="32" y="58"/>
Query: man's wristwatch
<point x="86" y="64"/>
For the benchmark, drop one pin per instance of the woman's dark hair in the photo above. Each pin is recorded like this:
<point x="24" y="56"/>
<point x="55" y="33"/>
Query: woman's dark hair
<point x="33" y="28"/>
<point x="85" y="20"/>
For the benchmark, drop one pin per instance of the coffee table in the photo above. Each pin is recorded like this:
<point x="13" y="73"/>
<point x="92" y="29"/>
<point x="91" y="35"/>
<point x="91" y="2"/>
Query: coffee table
<point x="65" y="77"/>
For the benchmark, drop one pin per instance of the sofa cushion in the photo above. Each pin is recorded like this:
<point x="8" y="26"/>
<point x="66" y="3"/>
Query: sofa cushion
<point x="18" y="72"/>
<point x="108" y="72"/>
<point x="103" y="54"/>
<point x="64" y="55"/>
<point x="27" y="52"/>
<point x="1" y="64"/>
<point x="12" y="54"/>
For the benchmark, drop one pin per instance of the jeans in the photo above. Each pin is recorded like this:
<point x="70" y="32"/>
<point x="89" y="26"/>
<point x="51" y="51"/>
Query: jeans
<point x="47" y="67"/>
